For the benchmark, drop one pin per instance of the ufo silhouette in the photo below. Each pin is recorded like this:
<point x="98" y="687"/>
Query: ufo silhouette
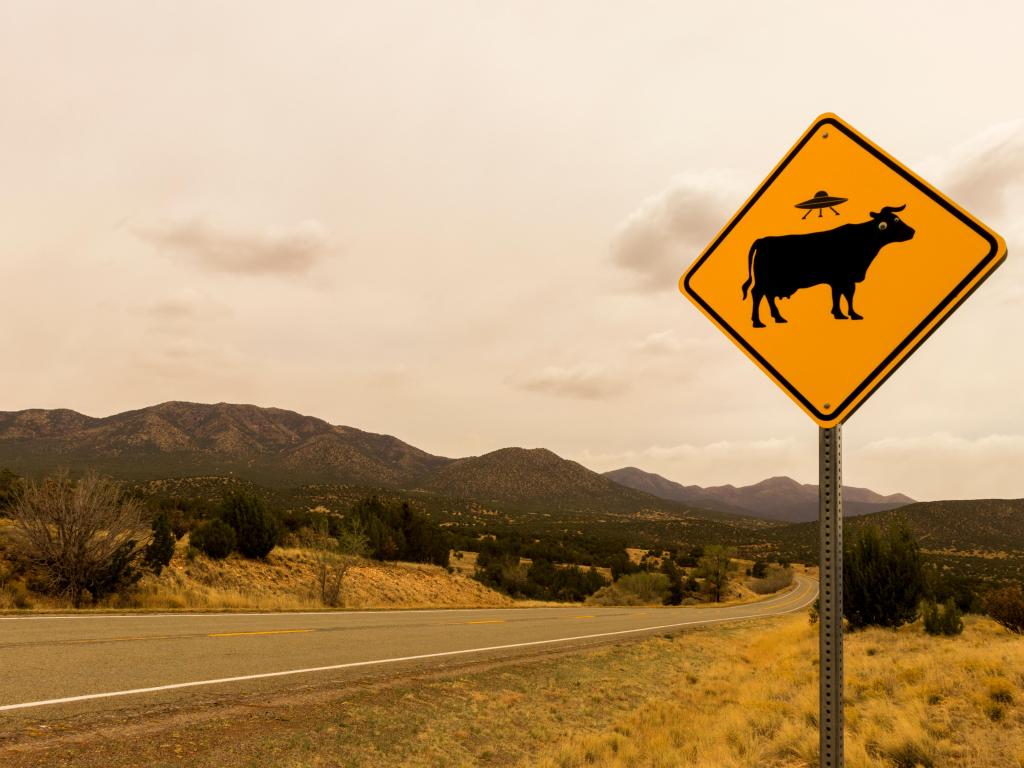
<point x="820" y="201"/>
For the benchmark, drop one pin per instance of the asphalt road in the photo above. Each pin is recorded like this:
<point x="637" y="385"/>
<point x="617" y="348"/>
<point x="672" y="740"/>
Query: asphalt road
<point x="73" y="663"/>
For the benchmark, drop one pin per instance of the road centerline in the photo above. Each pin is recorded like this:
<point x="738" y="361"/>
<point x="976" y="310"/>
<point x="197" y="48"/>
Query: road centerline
<point x="263" y="632"/>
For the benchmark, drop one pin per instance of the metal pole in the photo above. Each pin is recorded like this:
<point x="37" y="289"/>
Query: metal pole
<point x="830" y="558"/>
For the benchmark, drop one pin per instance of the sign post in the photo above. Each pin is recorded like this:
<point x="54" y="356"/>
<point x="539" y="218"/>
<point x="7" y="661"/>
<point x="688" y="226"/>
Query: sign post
<point x="830" y="595"/>
<point x="885" y="260"/>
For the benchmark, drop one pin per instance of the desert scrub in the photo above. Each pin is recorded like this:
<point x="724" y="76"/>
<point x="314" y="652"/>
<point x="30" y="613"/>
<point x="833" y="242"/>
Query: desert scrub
<point x="913" y="701"/>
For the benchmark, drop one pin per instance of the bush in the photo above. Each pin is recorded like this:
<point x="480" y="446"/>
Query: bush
<point x="772" y="581"/>
<point x="214" y="538"/>
<point x="82" y="537"/>
<point x="257" y="529"/>
<point x="941" y="585"/>
<point x="547" y="581"/>
<point x="883" y="578"/>
<point x="648" y="588"/>
<point x="675" y="583"/>
<point x="160" y="549"/>
<point x="942" y="620"/>
<point x="10" y="486"/>
<point x="715" y="567"/>
<point x="1006" y="606"/>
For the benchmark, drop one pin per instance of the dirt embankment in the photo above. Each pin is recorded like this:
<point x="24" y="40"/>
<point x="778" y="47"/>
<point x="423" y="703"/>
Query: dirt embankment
<point x="286" y="580"/>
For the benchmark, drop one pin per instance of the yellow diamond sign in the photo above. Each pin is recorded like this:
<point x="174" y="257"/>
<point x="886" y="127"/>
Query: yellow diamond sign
<point x="837" y="268"/>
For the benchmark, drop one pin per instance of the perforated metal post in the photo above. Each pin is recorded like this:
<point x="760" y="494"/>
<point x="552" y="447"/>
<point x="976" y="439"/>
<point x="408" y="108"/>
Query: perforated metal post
<point x="830" y="637"/>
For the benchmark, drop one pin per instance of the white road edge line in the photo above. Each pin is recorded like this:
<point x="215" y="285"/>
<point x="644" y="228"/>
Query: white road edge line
<point x="351" y="665"/>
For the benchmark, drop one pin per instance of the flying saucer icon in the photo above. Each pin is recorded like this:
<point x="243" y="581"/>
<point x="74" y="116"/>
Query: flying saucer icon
<point x="819" y="202"/>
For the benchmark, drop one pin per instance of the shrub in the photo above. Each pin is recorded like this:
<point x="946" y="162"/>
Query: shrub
<point x="547" y="581"/>
<point x="883" y="578"/>
<point x="1006" y="606"/>
<point x="942" y="620"/>
<point x="257" y="529"/>
<point x="648" y="587"/>
<point x="759" y="569"/>
<point x="715" y="566"/>
<point x="941" y="585"/>
<point x="10" y="486"/>
<point x="675" y="583"/>
<point x="160" y="549"/>
<point x="81" y="536"/>
<point x="214" y="538"/>
<point x="772" y="581"/>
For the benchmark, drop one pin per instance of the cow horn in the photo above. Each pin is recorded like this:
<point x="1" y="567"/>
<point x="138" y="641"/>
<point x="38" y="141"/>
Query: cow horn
<point x="888" y="209"/>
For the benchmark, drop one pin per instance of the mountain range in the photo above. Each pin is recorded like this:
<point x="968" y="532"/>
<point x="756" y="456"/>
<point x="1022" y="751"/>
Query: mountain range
<point x="280" y="448"/>
<point x="777" y="498"/>
<point x="276" y="447"/>
<point x="180" y="450"/>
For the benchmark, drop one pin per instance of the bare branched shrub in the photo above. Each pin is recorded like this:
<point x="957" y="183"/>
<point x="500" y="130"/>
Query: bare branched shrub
<point x="332" y="559"/>
<point x="1006" y="606"/>
<point x="82" y="536"/>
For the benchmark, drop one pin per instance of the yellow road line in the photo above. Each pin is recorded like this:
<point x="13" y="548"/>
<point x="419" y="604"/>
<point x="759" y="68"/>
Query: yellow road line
<point x="116" y="639"/>
<point x="583" y="617"/>
<point x="268" y="632"/>
<point x="487" y="621"/>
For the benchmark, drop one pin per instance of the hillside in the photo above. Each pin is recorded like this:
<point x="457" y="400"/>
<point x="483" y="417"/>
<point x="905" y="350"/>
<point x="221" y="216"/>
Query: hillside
<point x="982" y="538"/>
<point x="267" y="445"/>
<point x="301" y="458"/>
<point x="777" y="498"/>
<point x="537" y="479"/>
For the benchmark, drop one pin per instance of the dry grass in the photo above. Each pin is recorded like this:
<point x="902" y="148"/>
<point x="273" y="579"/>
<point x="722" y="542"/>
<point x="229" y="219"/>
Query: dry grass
<point x="286" y="581"/>
<point x="912" y="700"/>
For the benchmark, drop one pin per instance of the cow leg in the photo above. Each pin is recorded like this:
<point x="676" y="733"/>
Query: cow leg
<point x="755" y="296"/>
<point x="848" y="293"/>
<point x="837" y="313"/>
<point x="775" y="310"/>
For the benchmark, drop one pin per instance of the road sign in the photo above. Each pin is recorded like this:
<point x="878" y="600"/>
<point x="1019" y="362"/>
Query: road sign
<point x="837" y="268"/>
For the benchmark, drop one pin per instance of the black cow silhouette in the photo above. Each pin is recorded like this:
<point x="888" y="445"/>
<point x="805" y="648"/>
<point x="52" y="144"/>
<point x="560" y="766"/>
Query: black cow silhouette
<point x="780" y="266"/>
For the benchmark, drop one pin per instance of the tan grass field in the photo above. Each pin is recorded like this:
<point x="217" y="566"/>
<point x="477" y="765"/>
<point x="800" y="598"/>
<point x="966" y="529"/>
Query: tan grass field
<point x="911" y="700"/>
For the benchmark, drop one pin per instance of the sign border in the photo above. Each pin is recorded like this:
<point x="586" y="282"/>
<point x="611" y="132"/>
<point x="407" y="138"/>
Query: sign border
<point x="841" y="412"/>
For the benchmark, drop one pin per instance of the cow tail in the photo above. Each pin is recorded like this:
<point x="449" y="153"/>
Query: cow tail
<point x="750" y="267"/>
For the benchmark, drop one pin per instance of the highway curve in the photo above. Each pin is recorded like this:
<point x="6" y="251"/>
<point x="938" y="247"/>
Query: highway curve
<point x="65" y="665"/>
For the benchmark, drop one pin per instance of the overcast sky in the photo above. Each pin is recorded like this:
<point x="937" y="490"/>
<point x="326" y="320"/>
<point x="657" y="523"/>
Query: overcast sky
<point x="462" y="223"/>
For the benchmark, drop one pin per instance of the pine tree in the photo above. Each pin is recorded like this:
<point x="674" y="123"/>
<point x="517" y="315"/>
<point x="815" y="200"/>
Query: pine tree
<point x="675" y="583"/>
<point x="160" y="549"/>
<point x="257" y="529"/>
<point x="883" y="578"/>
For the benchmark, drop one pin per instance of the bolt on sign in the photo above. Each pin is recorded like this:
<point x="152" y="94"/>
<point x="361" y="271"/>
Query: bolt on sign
<point x="838" y="267"/>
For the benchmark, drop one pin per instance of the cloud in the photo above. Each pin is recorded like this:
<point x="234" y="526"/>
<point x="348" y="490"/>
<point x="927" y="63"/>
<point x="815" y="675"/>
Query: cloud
<point x="185" y="306"/>
<point x="982" y="173"/>
<point x="659" y="343"/>
<point x="585" y="382"/>
<point x="288" y="250"/>
<point x="669" y="230"/>
<point x="184" y="357"/>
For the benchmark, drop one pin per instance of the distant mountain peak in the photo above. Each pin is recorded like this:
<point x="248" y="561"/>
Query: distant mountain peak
<point x="774" y="498"/>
